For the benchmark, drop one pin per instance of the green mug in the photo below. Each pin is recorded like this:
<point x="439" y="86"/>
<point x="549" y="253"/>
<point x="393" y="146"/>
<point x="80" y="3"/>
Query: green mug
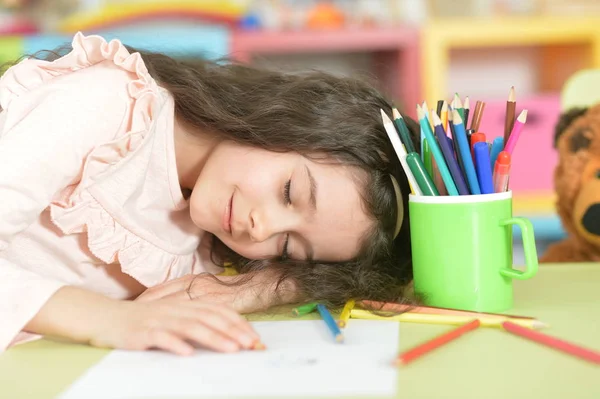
<point x="462" y="250"/>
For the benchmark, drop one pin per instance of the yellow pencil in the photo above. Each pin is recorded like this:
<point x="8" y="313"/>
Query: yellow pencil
<point x="447" y="319"/>
<point x="444" y="116"/>
<point x="345" y="313"/>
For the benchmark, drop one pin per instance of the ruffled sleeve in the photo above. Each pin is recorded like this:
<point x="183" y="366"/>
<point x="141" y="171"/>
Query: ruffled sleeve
<point x="59" y="132"/>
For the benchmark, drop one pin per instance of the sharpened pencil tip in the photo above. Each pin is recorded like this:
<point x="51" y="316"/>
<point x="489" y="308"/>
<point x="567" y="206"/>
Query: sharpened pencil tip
<point x="339" y="338"/>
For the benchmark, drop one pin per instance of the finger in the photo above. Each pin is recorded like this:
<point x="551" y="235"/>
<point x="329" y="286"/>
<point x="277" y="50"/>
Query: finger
<point x="227" y="313"/>
<point x="236" y="331"/>
<point x="169" y="342"/>
<point x="197" y="331"/>
<point x="166" y="289"/>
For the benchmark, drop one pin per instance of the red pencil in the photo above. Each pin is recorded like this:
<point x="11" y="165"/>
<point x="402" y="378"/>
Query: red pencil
<point x="567" y="347"/>
<point x="438" y="341"/>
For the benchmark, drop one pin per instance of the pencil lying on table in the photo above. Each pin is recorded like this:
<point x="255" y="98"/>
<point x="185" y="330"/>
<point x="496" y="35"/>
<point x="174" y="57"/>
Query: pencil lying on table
<point x="438" y="341"/>
<point x="446" y="319"/>
<point x="401" y="308"/>
<point x="345" y="315"/>
<point x="330" y="322"/>
<point x="558" y="344"/>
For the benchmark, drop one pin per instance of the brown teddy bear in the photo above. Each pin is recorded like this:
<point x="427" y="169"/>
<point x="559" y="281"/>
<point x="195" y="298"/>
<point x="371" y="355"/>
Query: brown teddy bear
<point x="577" y="185"/>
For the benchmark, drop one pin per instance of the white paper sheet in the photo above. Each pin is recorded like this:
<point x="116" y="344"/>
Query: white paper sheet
<point x="301" y="360"/>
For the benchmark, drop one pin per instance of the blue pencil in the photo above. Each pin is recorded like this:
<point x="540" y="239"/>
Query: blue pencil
<point x="465" y="152"/>
<point x="449" y="156"/>
<point x="484" y="171"/>
<point x="437" y="154"/>
<point x="328" y="319"/>
<point x="497" y="147"/>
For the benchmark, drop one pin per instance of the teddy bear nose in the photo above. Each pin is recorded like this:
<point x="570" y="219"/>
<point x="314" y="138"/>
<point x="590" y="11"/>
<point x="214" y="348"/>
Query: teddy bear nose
<point x="591" y="219"/>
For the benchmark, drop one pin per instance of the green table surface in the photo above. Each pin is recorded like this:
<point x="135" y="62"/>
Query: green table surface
<point x="488" y="363"/>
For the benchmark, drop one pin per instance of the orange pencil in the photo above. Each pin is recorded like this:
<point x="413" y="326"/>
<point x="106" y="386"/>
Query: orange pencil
<point x="476" y="138"/>
<point x="558" y="344"/>
<point x="509" y="118"/>
<point x="438" y="341"/>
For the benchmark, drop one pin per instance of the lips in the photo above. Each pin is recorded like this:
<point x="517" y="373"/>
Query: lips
<point x="227" y="215"/>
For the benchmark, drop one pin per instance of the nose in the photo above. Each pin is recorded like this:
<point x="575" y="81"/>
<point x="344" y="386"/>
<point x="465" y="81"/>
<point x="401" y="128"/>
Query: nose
<point x="591" y="219"/>
<point x="259" y="227"/>
<point x="264" y="225"/>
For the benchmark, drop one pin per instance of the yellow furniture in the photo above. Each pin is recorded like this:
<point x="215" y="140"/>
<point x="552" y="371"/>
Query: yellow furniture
<point x="487" y="363"/>
<point x="560" y="38"/>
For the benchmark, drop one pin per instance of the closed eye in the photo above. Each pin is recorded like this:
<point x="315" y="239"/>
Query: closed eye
<point x="286" y="192"/>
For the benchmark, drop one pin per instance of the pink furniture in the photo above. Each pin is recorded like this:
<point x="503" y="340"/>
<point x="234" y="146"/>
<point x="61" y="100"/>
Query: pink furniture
<point x="395" y="50"/>
<point x="534" y="157"/>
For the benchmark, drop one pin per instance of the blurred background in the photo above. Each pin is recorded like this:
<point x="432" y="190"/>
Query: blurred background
<point x="414" y="50"/>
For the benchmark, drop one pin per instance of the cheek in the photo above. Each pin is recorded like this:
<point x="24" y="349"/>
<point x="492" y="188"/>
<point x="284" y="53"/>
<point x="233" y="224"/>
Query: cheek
<point x="251" y="250"/>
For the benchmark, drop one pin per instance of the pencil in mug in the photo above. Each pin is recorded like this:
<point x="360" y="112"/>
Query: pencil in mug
<point x="448" y="153"/>
<point x="458" y="106"/>
<point x="420" y="350"/>
<point x="435" y="150"/>
<point x="477" y="115"/>
<point x="555" y="343"/>
<point x="509" y="117"/>
<point x="467" y="109"/>
<point x="330" y="322"/>
<point x="345" y="315"/>
<point x="400" y="152"/>
<point x="400" y="308"/>
<point x="403" y="131"/>
<point x="516" y="132"/>
<point x="446" y="319"/>
<point x="455" y="145"/>
<point x="465" y="152"/>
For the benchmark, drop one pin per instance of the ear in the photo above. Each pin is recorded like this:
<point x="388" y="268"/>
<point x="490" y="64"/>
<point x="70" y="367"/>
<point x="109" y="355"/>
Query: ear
<point x="565" y="121"/>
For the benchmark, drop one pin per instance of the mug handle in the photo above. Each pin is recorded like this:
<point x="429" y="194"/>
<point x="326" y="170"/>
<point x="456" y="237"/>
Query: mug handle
<point x="531" y="258"/>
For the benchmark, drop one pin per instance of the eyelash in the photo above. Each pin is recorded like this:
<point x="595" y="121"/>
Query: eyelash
<point x="288" y="201"/>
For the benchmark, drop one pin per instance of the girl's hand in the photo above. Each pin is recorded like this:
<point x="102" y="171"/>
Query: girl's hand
<point x="243" y="298"/>
<point x="245" y="295"/>
<point x="173" y="325"/>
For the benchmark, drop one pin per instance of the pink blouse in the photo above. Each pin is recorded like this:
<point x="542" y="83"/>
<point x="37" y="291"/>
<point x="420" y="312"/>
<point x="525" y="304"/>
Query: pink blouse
<point x="89" y="192"/>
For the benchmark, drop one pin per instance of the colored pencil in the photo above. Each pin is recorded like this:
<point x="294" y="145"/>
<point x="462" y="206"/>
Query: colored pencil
<point x="401" y="308"/>
<point x="438" y="109"/>
<point x="458" y="105"/>
<point x="425" y="182"/>
<point x="455" y="145"/>
<point x="435" y="150"/>
<point x="466" y="107"/>
<point x="484" y="170"/>
<point x="552" y="342"/>
<point x="304" y="309"/>
<point x="509" y="117"/>
<point x="437" y="179"/>
<point x="330" y="322"/>
<point x="403" y="131"/>
<point x="476" y="120"/>
<point x="400" y="152"/>
<point x="420" y="350"/>
<point x="444" y="116"/>
<point x="476" y="138"/>
<point x="345" y="315"/>
<point x="516" y="132"/>
<point x="465" y="153"/>
<point x="448" y="153"/>
<point x="497" y="146"/>
<point x="426" y="156"/>
<point x="446" y="319"/>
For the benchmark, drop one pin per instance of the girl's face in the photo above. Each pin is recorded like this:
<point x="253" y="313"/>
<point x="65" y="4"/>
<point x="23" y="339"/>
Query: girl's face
<point x="263" y="204"/>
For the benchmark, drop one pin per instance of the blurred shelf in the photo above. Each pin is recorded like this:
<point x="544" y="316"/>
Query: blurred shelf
<point x="304" y="41"/>
<point x="439" y="37"/>
<point x="395" y="53"/>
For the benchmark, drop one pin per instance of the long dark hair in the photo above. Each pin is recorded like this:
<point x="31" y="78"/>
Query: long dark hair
<point x="320" y="116"/>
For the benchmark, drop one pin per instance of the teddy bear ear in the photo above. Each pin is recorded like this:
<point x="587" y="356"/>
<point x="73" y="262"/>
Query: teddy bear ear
<point x="565" y="120"/>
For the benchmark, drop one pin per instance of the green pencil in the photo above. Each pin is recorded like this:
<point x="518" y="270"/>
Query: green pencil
<point x="427" y="157"/>
<point x="403" y="131"/>
<point x="418" y="170"/>
<point x="304" y="309"/>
